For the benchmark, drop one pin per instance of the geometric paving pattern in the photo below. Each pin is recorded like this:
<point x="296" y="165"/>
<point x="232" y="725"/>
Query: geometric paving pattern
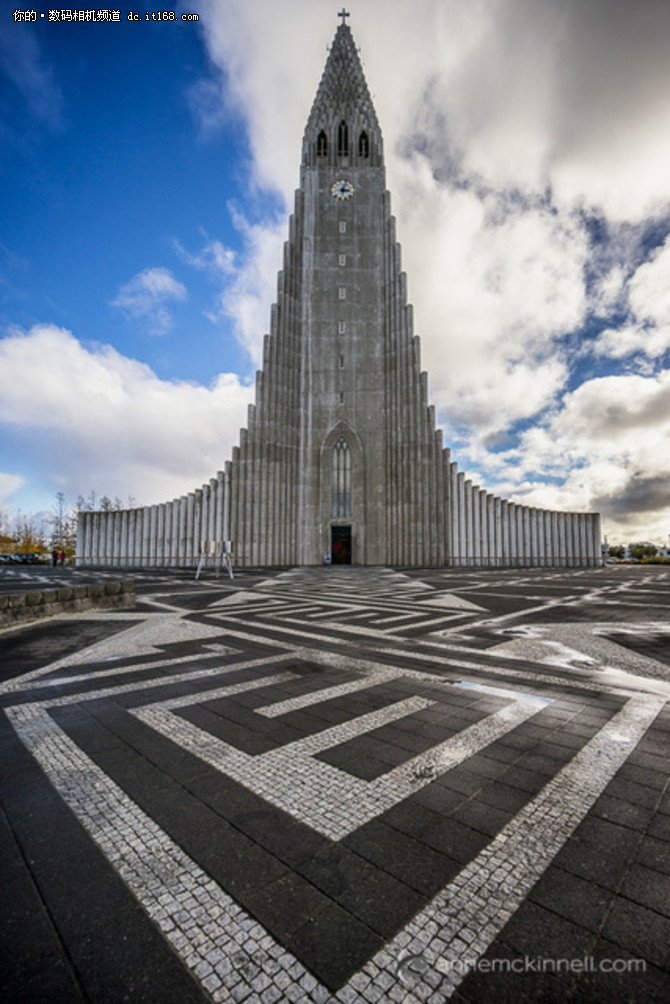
<point x="328" y="784"/>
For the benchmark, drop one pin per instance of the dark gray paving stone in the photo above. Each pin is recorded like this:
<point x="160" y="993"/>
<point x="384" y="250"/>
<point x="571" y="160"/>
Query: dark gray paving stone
<point x="648" y="888"/>
<point x="659" y="827"/>
<point x="505" y="981"/>
<point x="26" y="649"/>
<point x="287" y="905"/>
<point x="503" y="796"/>
<point x="382" y="903"/>
<point x="643" y="932"/>
<point x="411" y="817"/>
<point x="576" y="899"/>
<point x="632" y="791"/>
<point x="485" y="818"/>
<point x="454" y="839"/>
<point x="536" y="931"/>
<point x="616" y="810"/>
<point x="51" y="982"/>
<point x="130" y="961"/>
<point x="336" y="869"/>
<point x="655" y="779"/>
<point x="655" y="854"/>
<point x="335" y="945"/>
<point x="419" y="866"/>
<point x="602" y="865"/>
<point x="622" y="977"/>
<point x="28" y="939"/>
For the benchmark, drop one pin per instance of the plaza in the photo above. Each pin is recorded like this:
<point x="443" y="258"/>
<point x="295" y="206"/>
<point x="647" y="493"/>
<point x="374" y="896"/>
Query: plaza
<point x="340" y="784"/>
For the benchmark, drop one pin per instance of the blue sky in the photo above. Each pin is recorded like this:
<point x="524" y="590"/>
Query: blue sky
<point x="107" y="170"/>
<point x="147" y="171"/>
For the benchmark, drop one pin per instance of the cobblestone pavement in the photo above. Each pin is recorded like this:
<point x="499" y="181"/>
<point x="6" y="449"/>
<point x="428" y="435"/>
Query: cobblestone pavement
<point x="341" y="784"/>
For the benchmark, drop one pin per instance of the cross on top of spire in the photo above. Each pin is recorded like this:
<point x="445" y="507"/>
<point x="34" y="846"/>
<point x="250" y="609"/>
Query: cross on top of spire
<point x="344" y="14"/>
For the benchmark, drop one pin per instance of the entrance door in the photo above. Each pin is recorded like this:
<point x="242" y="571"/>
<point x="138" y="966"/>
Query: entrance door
<point x="340" y="544"/>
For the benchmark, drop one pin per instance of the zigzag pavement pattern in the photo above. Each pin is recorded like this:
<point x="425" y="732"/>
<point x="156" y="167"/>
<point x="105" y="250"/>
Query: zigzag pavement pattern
<point x="307" y="805"/>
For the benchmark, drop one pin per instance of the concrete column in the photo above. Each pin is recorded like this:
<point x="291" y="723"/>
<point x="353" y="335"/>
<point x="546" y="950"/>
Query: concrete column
<point x="469" y="524"/>
<point x="109" y="537"/>
<point x="153" y="539"/>
<point x="217" y="529"/>
<point x="596" y="536"/>
<point x="511" y="530"/>
<point x="145" y="525"/>
<point x="167" y="534"/>
<point x="459" y="509"/>
<point x="160" y="535"/>
<point x="534" y="537"/>
<point x="583" y="540"/>
<point x="476" y="545"/>
<point x="212" y="527"/>
<point x="83" y="535"/>
<point x="527" y="542"/>
<point x="197" y="536"/>
<point x="123" y="547"/>
<point x="179" y="536"/>
<point x="548" y="539"/>
<point x="518" y="536"/>
<point x="84" y="538"/>
<point x="504" y="537"/>
<point x="496" y="530"/>
<point x="227" y="495"/>
<point x="190" y="512"/>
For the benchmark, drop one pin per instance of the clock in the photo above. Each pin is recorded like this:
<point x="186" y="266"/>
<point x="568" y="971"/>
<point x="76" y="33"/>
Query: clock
<point x="342" y="189"/>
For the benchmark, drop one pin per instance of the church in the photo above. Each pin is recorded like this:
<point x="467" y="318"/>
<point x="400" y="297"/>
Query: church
<point x="341" y="460"/>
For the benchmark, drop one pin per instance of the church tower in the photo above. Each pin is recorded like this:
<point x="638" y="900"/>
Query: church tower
<point x="341" y="455"/>
<point x="341" y="459"/>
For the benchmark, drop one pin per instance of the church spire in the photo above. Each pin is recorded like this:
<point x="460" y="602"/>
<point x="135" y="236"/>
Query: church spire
<point x="342" y="127"/>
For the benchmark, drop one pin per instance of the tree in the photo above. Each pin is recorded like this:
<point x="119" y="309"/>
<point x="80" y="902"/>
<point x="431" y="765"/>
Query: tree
<point x="58" y="520"/>
<point x="640" y="551"/>
<point x="29" y="538"/>
<point x="616" y="551"/>
<point x="6" y="536"/>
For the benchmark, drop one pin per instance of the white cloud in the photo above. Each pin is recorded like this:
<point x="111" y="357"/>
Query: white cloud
<point x="647" y="330"/>
<point x="247" y="279"/>
<point x="107" y="422"/>
<point x="608" y="446"/>
<point x="649" y="289"/>
<point x="146" y="295"/>
<point x="249" y="282"/>
<point x="9" y="485"/>
<point x="213" y="258"/>
<point x="24" y="64"/>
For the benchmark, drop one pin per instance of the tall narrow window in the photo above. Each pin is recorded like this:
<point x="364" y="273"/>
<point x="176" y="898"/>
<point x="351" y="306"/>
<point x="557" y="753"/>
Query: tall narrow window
<point x="321" y="145"/>
<point x="341" y="480"/>
<point x="363" y="145"/>
<point x="343" y="140"/>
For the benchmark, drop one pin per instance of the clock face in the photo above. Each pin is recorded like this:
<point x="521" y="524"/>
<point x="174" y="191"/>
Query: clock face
<point x="342" y="189"/>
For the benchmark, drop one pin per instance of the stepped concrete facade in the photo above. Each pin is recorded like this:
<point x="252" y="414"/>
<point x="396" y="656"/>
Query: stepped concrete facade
<point x="341" y="458"/>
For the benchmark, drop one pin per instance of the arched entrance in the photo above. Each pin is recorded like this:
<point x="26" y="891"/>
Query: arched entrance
<point x="340" y="543"/>
<point x="342" y="496"/>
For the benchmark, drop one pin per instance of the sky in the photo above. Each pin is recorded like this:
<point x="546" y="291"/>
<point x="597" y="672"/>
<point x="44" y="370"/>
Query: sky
<point x="147" y="170"/>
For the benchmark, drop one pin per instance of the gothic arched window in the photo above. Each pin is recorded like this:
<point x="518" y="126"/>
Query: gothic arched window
<point x="343" y="140"/>
<point x="363" y="145"/>
<point x="341" y="479"/>
<point x="321" y="145"/>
